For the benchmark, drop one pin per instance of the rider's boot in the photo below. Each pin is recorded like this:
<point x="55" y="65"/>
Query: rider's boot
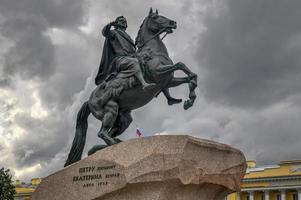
<point x="145" y="85"/>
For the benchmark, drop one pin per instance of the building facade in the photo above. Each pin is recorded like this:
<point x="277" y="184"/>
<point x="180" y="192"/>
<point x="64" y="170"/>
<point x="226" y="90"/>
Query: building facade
<point x="271" y="182"/>
<point x="25" y="190"/>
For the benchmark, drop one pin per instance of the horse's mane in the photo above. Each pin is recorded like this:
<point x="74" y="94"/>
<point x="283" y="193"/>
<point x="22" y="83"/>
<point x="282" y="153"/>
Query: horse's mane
<point x="139" y="39"/>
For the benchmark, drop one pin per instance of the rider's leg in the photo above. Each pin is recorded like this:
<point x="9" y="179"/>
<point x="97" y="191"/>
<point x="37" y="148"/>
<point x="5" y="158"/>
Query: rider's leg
<point x="108" y="122"/>
<point x="170" y="99"/>
<point x="134" y="63"/>
<point x="140" y="78"/>
<point x="129" y="66"/>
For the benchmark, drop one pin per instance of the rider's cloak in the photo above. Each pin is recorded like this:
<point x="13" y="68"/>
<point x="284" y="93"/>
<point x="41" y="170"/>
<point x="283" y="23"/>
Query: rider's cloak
<point x="105" y="67"/>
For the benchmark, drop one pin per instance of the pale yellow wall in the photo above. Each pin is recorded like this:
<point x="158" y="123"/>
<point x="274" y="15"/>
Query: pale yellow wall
<point x="232" y="196"/>
<point x="257" y="196"/>
<point x="24" y="190"/>
<point x="283" y="170"/>
<point x="289" y="196"/>
<point x="256" y="184"/>
<point x="243" y="196"/>
<point x="272" y="195"/>
<point x="251" y="163"/>
<point x="36" y="181"/>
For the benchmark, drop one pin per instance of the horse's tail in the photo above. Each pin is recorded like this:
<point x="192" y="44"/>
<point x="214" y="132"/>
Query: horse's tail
<point x="79" y="140"/>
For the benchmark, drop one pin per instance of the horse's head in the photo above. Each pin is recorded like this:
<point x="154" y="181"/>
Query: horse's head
<point x="158" y="24"/>
<point x="153" y="25"/>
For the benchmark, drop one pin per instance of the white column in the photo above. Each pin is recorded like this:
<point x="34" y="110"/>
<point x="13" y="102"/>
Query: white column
<point x="238" y="196"/>
<point x="251" y="193"/>
<point x="267" y="195"/>
<point x="283" y="194"/>
<point x="299" y="194"/>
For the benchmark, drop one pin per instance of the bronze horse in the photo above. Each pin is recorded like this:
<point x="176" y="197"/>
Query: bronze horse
<point x="112" y="101"/>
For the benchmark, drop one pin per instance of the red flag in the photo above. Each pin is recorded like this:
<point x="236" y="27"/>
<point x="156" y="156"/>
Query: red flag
<point x="138" y="133"/>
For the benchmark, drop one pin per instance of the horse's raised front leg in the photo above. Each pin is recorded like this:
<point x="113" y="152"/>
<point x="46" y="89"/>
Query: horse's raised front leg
<point x="192" y="96"/>
<point x="191" y="80"/>
<point x="185" y="69"/>
<point x="174" y="82"/>
<point x="166" y="69"/>
<point x="192" y="84"/>
<point x="170" y="100"/>
<point x="108" y="122"/>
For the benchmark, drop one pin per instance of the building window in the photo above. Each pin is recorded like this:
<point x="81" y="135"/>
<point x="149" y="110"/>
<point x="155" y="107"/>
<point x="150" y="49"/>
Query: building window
<point x="262" y="196"/>
<point x="295" y="196"/>
<point x="247" y="197"/>
<point x="278" y="197"/>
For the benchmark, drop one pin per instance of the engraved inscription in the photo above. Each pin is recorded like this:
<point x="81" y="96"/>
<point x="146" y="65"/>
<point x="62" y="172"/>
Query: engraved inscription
<point x="96" y="176"/>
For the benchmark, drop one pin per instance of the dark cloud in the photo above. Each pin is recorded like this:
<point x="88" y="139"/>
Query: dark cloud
<point x="75" y="64"/>
<point x="5" y="82"/>
<point x="250" y="52"/>
<point x="25" y="23"/>
<point x="32" y="54"/>
<point x="43" y="142"/>
<point x="57" y="13"/>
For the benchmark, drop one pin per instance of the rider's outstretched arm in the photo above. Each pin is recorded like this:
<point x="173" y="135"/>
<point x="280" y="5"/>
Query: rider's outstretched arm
<point x="106" y="31"/>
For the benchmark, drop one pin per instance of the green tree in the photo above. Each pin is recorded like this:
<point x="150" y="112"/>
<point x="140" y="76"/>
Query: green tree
<point x="7" y="189"/>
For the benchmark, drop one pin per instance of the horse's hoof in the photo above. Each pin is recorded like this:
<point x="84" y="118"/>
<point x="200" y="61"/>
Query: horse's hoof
<point x="192" y="95"/>
<point x="181" y="64"/>
<point x="174" y="101"/>
<point x="187" y="104"/>
<point x="96" y="148"/>
<point x="193" y="76"/>
<point x="108" y="140"/>
<point x="193" y="82"/>
<point x="117" y="140"/>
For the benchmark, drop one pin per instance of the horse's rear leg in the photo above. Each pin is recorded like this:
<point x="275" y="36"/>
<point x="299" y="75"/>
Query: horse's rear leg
<point x="123" y="121"/>
<point x="108" y="122"/>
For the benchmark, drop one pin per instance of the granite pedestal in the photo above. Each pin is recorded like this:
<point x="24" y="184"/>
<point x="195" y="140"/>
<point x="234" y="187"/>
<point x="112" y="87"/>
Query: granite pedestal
<point x="177" y="167"/>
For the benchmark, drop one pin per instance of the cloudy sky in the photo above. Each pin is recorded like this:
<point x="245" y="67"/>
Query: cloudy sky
<point x="247" y="54"/>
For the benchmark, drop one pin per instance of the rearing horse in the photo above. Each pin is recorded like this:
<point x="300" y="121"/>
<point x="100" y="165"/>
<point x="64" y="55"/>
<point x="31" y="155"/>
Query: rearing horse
<point x="112" y="101"/>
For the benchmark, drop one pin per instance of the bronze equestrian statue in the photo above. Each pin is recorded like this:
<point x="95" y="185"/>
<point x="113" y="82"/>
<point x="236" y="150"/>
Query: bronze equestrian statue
<point x="129" y="78"/>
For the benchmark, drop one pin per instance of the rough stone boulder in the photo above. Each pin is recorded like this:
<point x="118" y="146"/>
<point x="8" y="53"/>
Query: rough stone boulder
<point x="170" y="167"/>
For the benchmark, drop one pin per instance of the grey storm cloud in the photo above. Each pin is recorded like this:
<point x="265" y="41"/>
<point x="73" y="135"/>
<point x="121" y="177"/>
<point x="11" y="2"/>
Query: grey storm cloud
<point x="250" y="52"/>
<point x="44" y="141"/>
<point x="25" y="24"/>
<point x="32" y="54"/>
